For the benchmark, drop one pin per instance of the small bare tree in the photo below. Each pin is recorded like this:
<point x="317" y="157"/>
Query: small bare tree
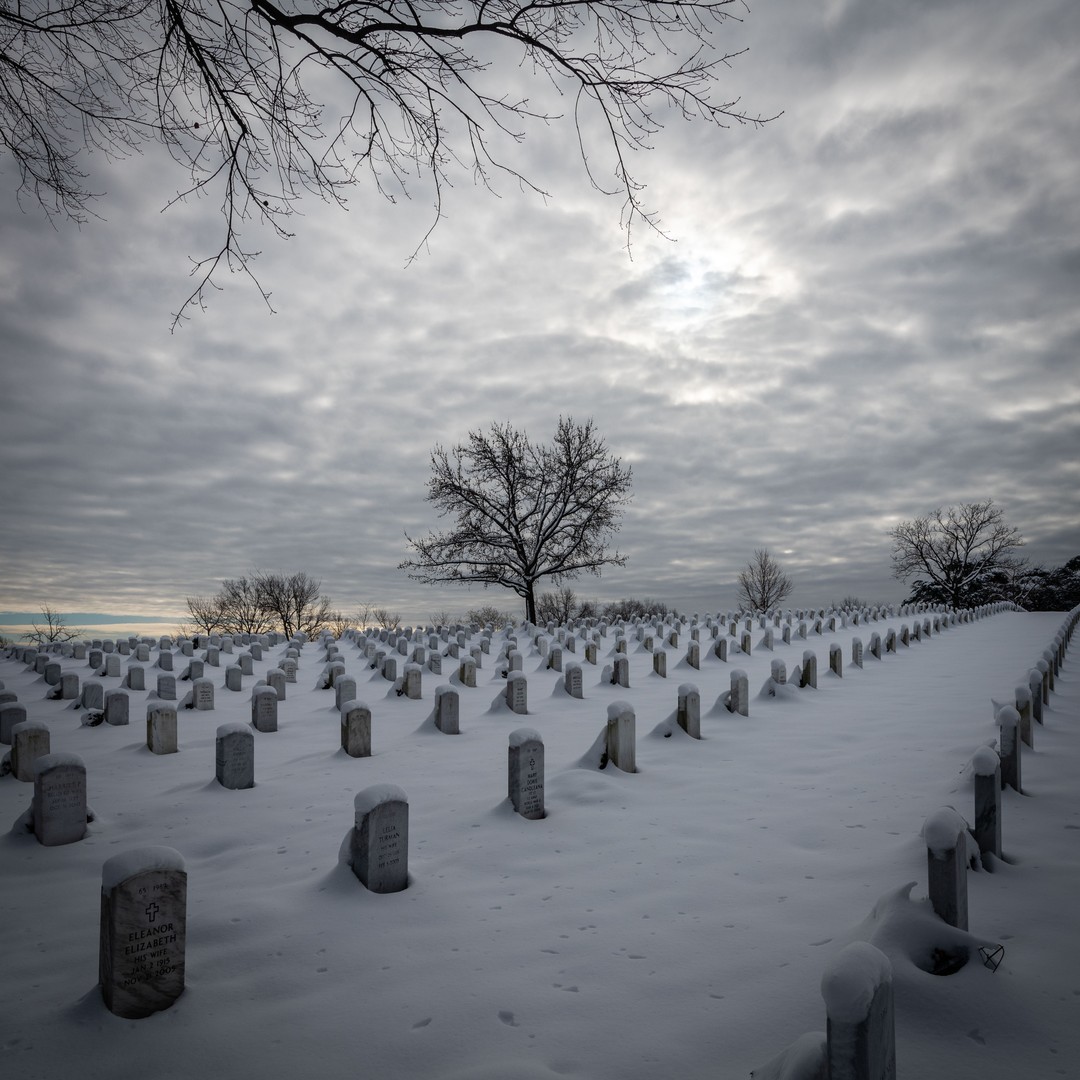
<point x="206" y="615"/>
<point x="295" y="602"/>
<point x="762" y="584"/>
<point x="244" y="606"/>
<point x="961" y="556"/>
<point x="53" y="628"/>
<point x="523" y="511"/>
<point x="488" y="613"/>
<point x="385" y="618"/>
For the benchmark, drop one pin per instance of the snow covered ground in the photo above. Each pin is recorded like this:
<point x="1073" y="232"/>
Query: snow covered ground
<point x="674" y="922"/>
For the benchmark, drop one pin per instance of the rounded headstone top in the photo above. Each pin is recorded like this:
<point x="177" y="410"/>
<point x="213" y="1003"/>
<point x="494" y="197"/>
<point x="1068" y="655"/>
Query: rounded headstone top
<point x="619" y="708"/>
<point x="1007" y="716"/>
<point x="523" y="735"/>
<point x="687" y="688"/>
<point x="51" y="761"/>
<point x="851" y="979"/>
<point x="942" y="830"/>
<point x="376" y="795"/>
<point x="235" y="728"/>
<point x="985" y="762"/>
<point x="138" y="861"/>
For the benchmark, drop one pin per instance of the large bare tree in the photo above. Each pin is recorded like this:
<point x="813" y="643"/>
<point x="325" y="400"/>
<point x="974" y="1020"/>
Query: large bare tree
<point x="762" y="583"/>
<point x="261" y="101"/>
<point x="960" y="556"/>
<point x="523" y="511"/>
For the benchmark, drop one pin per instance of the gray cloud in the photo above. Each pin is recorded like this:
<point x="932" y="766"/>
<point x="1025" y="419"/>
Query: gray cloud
<point x="869" y="311"/>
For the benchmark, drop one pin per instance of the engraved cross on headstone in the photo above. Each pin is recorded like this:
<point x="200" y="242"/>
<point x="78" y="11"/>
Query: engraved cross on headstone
<point x="151" y="912"/>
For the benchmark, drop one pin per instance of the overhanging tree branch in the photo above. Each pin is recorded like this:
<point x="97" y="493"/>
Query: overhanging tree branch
<point x="413" y="88"/>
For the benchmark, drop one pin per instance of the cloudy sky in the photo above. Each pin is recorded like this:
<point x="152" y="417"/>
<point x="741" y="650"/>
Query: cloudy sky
<point x="869" y="309"/>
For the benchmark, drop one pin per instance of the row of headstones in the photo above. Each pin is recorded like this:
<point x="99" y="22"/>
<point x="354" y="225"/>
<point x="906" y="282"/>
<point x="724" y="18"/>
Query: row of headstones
<point x="143" y="925"/>
<point x="994" y="771"/>
<point x="860" y="1040"/>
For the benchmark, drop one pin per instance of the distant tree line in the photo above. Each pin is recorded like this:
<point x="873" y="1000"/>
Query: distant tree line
<point x="261" y="603"/>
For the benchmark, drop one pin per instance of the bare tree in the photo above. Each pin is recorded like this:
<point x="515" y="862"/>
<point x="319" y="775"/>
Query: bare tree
<point x="558" y="606"/>
<point x="961" y="556"/>
<point x="227" y="87"/>
<point x="523" y="511"/>
<point x="295" y="602"/>
<point x="338" y="623"/>
<point x="762" y="584"/>
<point x="630" y="607"/>
<point x="206" y="615"/>
<point x="244" y="606"/>
<point x="488" y="613"/>
<point x="53" y="629"/>
<point x="385" y="618"/>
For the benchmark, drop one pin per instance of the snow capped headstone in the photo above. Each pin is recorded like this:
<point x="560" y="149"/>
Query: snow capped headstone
<point x="234" y="678"/>
<point x="1008" y="720"/>
<point x="136" y="677"/>
<point x="356" y="729"/>
<point x="166" y="687"/>
<point x="344" y="690"/>
<point x="93" y="697"/>
<point x="411" y="682"/>
<point x="659" y="663"/>
<point x="517" y="691"/>
<point x="860" y="1025"/>
<point x="693" y="654"/>
<point x="525" y="773"/>
<point x="234" y="756"/>
<point x="620" y="675"/>
<point x="688" y="711"/>
<point x="264" y="708"/>
<point x="143" y="931"/>
<point x="202" y="695"/>
<point x="836" y="660"/>
<point x="621" y="736"/>
<point x="739" y="694"/>
<point x="1023" y="709"/>
<point x="856" y="652"/>
<point x="161" y="728"/>
<point x="116" y="708"/>
<point x="572" y="680"/>
<point x="379" y="844"/>
<point x="59" y="799"/>
<point x="276" y="678"/>
<point x="945" y="833"/>
<point x="447" y="710"/>
<point x="12" y="713"/>
<point x="467" y="672"/>
<point x="30" y="740"/>
<point x="720" y="649"/>
<point x="987" y="768"/>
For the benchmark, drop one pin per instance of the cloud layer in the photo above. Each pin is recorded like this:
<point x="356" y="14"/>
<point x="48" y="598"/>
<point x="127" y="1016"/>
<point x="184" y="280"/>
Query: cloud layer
<point x="869" y="310"/>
